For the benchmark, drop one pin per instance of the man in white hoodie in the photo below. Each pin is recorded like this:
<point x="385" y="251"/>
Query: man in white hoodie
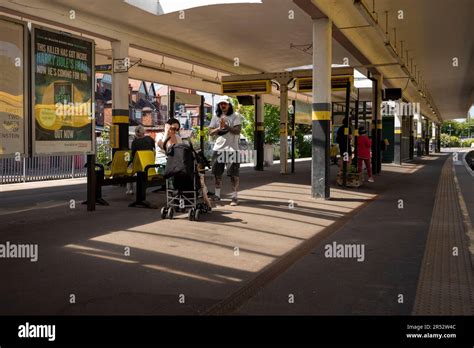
<point x="226" y="127"/>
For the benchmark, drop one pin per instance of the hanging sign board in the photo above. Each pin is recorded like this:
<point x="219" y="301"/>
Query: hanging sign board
<point x="121" y="65"/>
<point x="186" y="98"/>
<point x="246" y="87"/>
<point x="63" y="93"/>
<point x="303" y="113"/>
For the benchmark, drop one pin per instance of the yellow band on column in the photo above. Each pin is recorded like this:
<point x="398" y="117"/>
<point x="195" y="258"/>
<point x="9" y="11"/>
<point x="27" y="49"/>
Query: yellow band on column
<point x="321" y="115"/>
<point x="120" y="119"/>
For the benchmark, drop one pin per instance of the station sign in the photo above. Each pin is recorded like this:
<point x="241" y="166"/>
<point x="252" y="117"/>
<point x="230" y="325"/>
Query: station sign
<point x="303" y="113"/>
<point x="62" y="93"/>
<point x="246" y="87"/>
<point x="14" y="121"/>
<point x="104" y="68"/>
<point x="338" y="83"/>
<point x="186" y="98"/>
<point x="121" y="65"/>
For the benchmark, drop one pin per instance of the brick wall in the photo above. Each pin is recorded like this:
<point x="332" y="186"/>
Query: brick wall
<point x="107" y="115"/>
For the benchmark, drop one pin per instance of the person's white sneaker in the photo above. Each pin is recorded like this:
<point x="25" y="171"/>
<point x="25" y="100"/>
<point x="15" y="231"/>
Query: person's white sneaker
<point x="234" y="202"/>
<point x="371" y="180"/>
<point x="129" y="192"/>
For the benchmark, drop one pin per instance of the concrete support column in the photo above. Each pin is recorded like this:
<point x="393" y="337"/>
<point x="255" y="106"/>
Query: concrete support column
<point x="120" y="110"/>
<point x="427" y="137"/>
<point x="377" y="124"/>
<point x="433" y="137"/>
<point x="293" y="134"/>
<point x="419" y="131"/>
<point x="259" y="131"/>
<point x="438" y="138"/>
<point x="321" y="119"/>
<point x="397" y="139"/>
<point x="284" y="127"/>
<point x="412" y="137"/>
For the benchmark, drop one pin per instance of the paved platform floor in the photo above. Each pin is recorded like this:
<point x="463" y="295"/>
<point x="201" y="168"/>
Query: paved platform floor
<point x="395" y="237"/>
<point x="446" y="279"/>
<point x="221" y="264"/>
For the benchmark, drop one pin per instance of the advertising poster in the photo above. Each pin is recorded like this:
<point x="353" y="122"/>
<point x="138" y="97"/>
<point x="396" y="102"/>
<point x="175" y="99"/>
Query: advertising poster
<point x="63" y="94"/>
<point x="13" y="89"/>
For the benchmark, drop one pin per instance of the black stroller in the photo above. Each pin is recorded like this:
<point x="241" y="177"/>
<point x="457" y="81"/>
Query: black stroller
<point x="185" y="186"/>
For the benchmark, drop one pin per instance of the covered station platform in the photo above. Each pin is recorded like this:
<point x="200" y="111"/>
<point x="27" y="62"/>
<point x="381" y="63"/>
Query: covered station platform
<point x="411" y="230"/>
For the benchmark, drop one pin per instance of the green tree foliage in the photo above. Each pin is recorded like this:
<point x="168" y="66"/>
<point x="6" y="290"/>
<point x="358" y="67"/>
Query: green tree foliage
<point x="104" y="153"/>
<point x="450" y="141"/>
<point x="248" y="119"/>
<point x="271" y="121"/>
<point x="272" y="128"/>
<point x="303" y="146"/>
<point x="196" y="140"/>
<point x="458" y="129"/>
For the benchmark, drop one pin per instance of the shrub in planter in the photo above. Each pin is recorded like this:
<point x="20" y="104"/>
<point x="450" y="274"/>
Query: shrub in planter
<point x="450" y="141"/>
<point x="354" y="178"/>
<point x="467" y="142"/>
<point x="305" y="148"/>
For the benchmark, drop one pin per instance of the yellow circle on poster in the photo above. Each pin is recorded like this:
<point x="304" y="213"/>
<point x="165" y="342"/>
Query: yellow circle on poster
<point x="46" y="116"/>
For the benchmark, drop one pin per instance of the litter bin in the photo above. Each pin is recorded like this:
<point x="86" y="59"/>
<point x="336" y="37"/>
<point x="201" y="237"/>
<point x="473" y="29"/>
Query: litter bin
<point x="268" y="155"/>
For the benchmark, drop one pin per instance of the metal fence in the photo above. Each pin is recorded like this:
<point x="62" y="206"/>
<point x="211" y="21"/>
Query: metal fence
<point x="42" y="168"/>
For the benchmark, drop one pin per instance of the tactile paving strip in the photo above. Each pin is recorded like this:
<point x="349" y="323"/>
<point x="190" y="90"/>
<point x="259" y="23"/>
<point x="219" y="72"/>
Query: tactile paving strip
<point x="446" y="286"/>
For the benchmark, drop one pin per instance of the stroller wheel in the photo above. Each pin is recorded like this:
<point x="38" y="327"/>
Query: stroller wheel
<point x="164" y="212"/>
<point x="191" y="214"/>
<point x="170" y="213"/>
<point x="196" y="215"/>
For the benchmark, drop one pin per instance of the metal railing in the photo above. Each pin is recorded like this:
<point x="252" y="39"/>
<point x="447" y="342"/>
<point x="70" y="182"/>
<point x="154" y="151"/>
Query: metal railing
<point x="42" y="168"/>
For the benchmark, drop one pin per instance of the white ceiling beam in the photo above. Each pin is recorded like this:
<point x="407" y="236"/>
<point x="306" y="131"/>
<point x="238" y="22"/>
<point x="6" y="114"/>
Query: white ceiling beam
<point x="56" y="14"/>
